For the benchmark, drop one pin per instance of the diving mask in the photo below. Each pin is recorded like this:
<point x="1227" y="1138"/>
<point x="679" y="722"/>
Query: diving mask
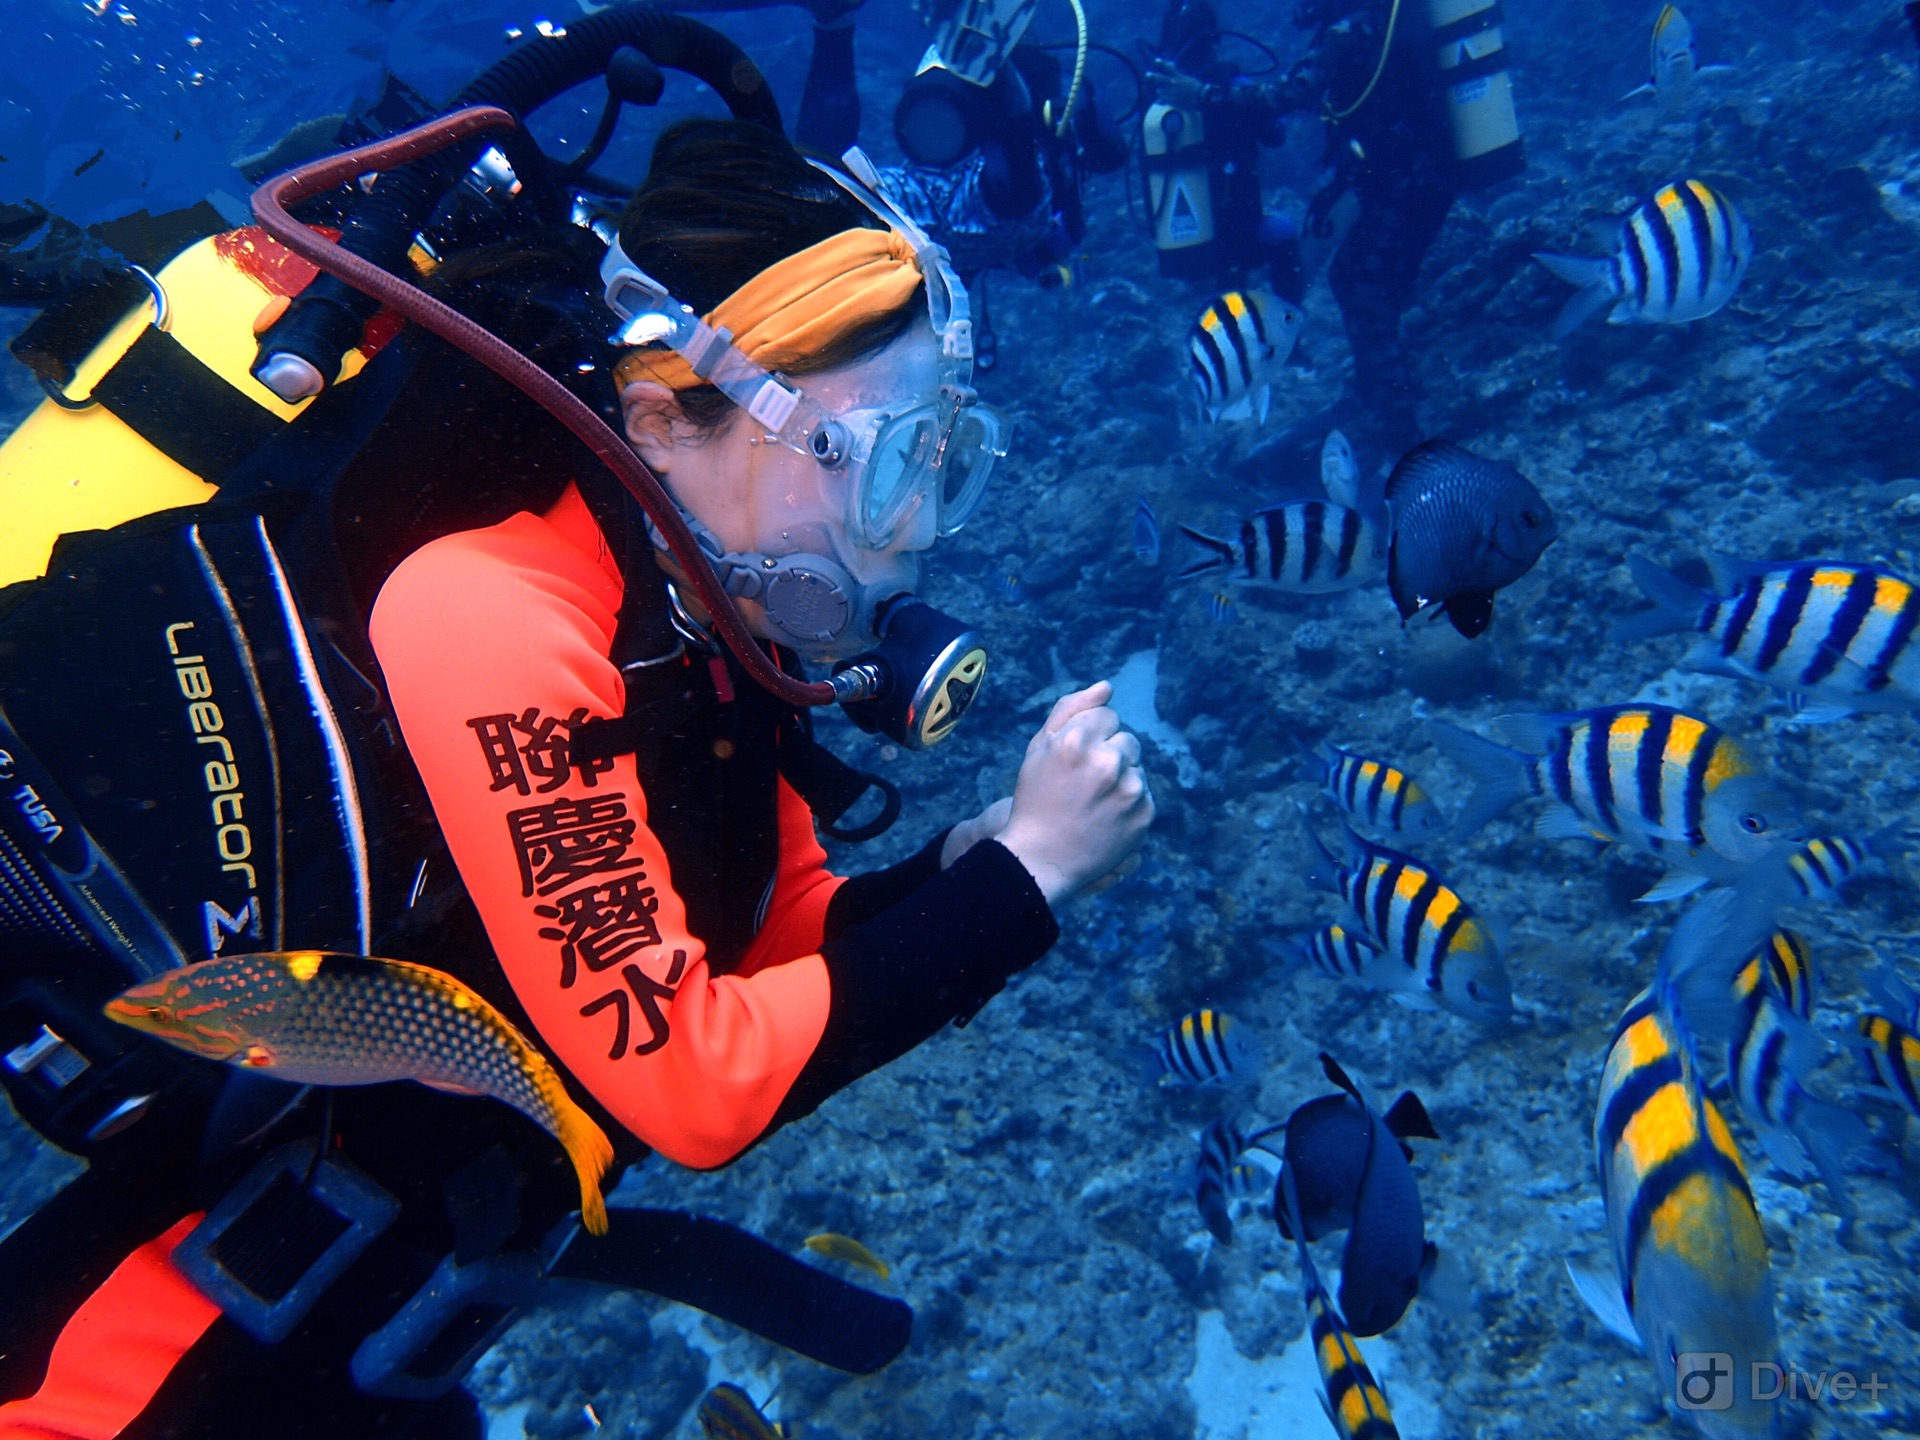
<point x="939" y="453"/>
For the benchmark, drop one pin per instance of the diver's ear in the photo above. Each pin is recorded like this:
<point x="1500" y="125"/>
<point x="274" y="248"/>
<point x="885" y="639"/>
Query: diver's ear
<point x="654" y="422"/>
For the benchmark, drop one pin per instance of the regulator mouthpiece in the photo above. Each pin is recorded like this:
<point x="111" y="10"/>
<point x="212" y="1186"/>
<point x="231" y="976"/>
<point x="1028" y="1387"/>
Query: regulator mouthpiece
<point x="917" y="683"/>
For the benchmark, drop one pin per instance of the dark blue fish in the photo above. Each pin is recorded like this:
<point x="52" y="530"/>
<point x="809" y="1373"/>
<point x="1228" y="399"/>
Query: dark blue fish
<point x="1351" y="1173"/>
<point x="1146" y="534"/>
<point x="1463" y="528"/>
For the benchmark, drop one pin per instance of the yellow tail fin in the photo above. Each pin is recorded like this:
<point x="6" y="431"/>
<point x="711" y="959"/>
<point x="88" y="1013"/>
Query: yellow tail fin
<point x="591" y="1152"/>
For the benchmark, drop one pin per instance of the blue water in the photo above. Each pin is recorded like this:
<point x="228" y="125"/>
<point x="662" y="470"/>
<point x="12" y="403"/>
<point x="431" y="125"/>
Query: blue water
<point x="1029" y="1189"/>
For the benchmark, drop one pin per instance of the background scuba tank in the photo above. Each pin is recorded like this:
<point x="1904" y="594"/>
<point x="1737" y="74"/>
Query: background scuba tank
<point x="1471" y="58"/>
<point x="1173" y="145"/>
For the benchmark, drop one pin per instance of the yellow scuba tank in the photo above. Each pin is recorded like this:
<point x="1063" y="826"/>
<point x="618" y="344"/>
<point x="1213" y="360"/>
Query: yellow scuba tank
<point x="1173" y="143"/>
<point x="158" y="408"/>
<point x="1471" y="56"/>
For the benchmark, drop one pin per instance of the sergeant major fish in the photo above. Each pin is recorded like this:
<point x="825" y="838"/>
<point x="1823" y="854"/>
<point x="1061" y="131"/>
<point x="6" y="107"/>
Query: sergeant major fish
<point x="1374" y="793"/>
<point x="1221" y="1177"/>
<point x="1678" y="256"/>
<point x="1672" y="62"/>
<point x="1350" y="1172"/>
<point x="1771" y="1051"/>
<point x="1821" y="867"/>
<point x="1837" y="637"/>
<point x="1643" y="776"/>
<point x="1336" y="951"/>
<point x="1690" y="1259"/>
<point x="727" y="1413"/>
<point x="1305" y="547"/>
<point x="1354" y="1401"/>
<point x="1890" y="1047"/>
<point x="1205" y="1047"/>
<point x="1436" y="953"/>
<point x="1235" y="348"/>
<point x="1462" y="528"/>
<point x="314" y="1018"/>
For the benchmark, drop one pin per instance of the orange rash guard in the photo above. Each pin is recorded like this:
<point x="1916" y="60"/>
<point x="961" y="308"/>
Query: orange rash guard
<point x="493" y="643"/>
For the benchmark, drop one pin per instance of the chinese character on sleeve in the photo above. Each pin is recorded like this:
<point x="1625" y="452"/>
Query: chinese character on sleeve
<point x="601" y="925"/>
<point x="566" y="840"/>
<point x="647" y="993"/>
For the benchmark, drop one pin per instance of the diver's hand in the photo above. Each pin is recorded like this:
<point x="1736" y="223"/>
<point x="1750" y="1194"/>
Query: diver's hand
<point x="987" y="825"/>
<point x="1081" y="804"/>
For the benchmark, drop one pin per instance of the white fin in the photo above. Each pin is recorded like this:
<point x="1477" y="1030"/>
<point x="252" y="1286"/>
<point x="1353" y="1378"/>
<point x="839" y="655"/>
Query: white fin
<point x="1414" y="999"/>
<point x="1819" y="712"/>
<point x="1674" y="885"/>
<point x="1783" y="1149"/>
<point x="1266" y="399"/>
<point x="1563" y="822"/>
<point x="1638" y="90"/>
<point x="1602" y="1294"/>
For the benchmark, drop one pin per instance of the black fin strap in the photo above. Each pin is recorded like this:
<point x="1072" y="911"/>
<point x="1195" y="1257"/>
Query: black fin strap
<point x="740" y="1278"/>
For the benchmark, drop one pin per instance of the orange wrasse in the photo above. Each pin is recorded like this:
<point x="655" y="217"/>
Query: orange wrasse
<point x="313" y="1018"/>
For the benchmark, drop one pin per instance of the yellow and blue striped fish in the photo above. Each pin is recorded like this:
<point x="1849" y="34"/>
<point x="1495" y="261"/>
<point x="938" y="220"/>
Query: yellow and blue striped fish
<point x="314" y="1018"/>
<point x="1644" y="776"/>
<point x="728" y="1414"/>
<point x="1354" y="1401"/>
<point x="1680" y="256"/>
<point x="1821" y="868"/>
<point x="1771" y="1050"/>
<point x="1891" y="1051"/>
<point x="1205" y="1047"/>
<point x="1236" y="346"/>
<point x="1305" y="547"/>
<point x="1837" y="637"/>
<point x="1691" y="1267"/>
<point x="1443" y="955"/>
<point x="1377" y="795"/>
<point x="1221" y="1177"/>
<point x="1335" y="950"/>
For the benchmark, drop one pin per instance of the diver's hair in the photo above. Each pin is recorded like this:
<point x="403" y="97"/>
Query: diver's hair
<point x="722" y="201"/>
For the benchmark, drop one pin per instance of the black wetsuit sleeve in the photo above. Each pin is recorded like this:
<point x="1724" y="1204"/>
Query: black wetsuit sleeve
<point x="861" y="898"/>
<point x="935" y="956"/>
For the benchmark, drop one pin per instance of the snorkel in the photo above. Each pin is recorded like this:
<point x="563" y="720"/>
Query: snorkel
<point x="913" y="685"/>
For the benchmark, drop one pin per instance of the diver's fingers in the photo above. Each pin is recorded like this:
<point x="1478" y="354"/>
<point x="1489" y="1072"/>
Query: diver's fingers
<point x="1068" y="706"/>
<point x="1128" y="744"/>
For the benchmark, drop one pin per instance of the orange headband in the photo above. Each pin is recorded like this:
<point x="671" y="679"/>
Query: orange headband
<point x="798" y="306"/>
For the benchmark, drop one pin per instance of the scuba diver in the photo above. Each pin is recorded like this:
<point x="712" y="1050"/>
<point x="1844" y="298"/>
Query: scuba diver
<point x="996" y="140"/>
<point x="1201" y="139"/>
<point x="359" y="653"/>
<point x="1419" y="110"/>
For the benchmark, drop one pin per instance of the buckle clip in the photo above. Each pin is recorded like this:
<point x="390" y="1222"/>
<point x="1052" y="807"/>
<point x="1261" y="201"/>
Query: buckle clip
<point x="274" y="1244"/>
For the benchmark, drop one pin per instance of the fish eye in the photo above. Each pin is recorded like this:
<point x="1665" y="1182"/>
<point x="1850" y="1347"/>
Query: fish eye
<point x="1473" y="988"/>
<point x="1754" y="824"/>
<point x="1530" y="519"/>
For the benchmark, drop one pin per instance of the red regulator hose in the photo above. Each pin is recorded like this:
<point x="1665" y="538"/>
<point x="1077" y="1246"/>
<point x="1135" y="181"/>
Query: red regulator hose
<point x="270" y="204"/>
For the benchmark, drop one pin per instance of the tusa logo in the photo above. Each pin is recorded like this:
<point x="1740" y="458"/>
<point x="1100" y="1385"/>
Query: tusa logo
<point x="232" y="840"/>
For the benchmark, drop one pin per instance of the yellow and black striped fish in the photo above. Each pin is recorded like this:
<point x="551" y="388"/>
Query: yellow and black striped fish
<point x="1839" y="638"/>
<point x="1892" y="1049"/>
<point x="1221" y="1177"/>
<point x="727" y="1414"/>
<point x="1305" y="547"/>
<point x="1205" y="1047"/>
<point x="314" y="1018"/>
<point x="1444" y="956"/>
<point x="1379" y="796"/>
<point x="1680" y="256"/>
<point x="1643" y="776"/>
<point x="1354" y="1401"/>
<point x="1335" y="950"/>
<point x="1771" y="1050"/>
<point x="1820" y="868"/>
<point x="1237" y="344"/>
<point x="1691" y="1267"/>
